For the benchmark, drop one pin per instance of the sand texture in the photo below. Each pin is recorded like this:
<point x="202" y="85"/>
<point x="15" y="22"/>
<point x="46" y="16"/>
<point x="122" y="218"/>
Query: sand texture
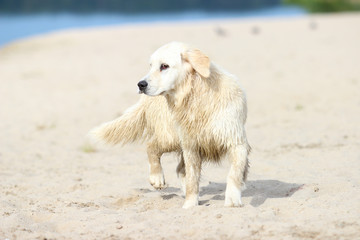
<point x="302" y="78"/>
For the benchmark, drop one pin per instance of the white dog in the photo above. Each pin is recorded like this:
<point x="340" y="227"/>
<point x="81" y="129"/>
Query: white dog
<point x="193" y="107"/>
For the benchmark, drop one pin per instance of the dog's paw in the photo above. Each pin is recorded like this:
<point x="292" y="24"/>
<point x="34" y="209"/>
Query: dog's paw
<point x="233" y="203"/>
<point x="191" y="201"/>
<point x="157" y="181"/>
<point x="233" y="197"/>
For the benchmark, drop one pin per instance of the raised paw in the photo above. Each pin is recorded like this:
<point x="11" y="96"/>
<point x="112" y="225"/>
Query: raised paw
<point x="157" y="181"/>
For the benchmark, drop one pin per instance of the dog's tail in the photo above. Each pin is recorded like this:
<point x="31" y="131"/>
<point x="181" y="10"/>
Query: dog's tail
<point x="128" y="128"/>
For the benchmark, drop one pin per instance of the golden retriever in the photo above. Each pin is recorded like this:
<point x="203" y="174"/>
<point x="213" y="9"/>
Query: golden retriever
<point x="190" y="106"/>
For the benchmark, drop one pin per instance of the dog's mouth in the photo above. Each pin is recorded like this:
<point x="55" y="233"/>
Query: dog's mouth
<point x="143" y="91"/>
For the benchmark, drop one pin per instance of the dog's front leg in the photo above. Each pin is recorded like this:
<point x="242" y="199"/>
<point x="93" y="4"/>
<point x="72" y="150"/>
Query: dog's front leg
<point x="238" y="156"/>
<point x="156" y="177"/>
<point x="193" y="170"/>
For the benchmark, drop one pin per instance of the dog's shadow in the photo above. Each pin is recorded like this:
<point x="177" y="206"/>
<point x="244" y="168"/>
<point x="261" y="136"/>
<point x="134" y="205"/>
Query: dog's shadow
<point x="259" y="190"/>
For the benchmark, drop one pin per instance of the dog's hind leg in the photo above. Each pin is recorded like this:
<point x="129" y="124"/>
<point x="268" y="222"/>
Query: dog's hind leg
<point x="180" y="171"/>
<point x="156" y="177"/>
<point x="238" y="156"/>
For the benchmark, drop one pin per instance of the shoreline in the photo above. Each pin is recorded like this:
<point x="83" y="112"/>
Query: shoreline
<point x="310" y="17"/>
<point x="66" y="21"/>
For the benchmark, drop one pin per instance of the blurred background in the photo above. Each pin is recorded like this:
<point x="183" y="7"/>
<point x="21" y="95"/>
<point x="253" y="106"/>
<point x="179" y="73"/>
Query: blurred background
<point x="22" y="18"/>
<point x="301" y="72"/>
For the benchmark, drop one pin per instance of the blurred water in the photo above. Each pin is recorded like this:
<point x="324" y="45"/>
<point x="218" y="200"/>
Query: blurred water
<point x="13" y="27"/>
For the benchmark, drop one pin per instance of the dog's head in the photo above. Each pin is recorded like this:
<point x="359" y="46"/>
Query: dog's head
<point x="171" y="64"/>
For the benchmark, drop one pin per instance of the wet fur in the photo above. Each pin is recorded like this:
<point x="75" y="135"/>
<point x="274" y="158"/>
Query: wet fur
<point x="202" y="118"/>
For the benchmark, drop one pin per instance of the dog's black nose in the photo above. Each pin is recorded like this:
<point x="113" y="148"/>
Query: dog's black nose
<point x="142" y="85"/>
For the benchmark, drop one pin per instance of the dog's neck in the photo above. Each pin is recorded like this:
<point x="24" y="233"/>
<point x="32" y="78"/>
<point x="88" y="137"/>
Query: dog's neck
<point x="179" y="96"/>
<point x="194" y="89"/>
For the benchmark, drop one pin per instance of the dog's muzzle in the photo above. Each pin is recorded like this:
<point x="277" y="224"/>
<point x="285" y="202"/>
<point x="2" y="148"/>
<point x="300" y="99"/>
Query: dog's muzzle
<point x="142" y="86"/>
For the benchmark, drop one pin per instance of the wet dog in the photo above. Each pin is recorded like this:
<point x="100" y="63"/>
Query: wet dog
<point x="193" y="107"/>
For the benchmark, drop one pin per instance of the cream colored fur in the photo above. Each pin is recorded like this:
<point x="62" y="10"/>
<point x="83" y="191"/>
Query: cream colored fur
<point x="194" y="108"/>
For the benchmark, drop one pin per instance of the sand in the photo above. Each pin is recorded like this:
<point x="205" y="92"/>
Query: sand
<point x="302" y="78"/>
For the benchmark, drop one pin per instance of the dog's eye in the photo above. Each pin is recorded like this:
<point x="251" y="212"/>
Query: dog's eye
<point x="164" y="66"/>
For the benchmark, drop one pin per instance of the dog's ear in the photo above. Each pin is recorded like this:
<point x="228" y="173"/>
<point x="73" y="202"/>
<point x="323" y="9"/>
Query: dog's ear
<point x="198" y="60"/>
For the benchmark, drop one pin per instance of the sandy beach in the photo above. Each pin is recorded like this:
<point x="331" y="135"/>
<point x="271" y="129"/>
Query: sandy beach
<point x="302" y="79"/>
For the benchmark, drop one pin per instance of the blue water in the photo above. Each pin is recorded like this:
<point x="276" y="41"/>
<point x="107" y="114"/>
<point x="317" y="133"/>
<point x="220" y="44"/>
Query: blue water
<point x="13" y="27"/>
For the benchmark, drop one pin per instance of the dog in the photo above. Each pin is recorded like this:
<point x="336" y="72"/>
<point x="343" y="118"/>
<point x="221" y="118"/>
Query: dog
<point x="190" y="106"/>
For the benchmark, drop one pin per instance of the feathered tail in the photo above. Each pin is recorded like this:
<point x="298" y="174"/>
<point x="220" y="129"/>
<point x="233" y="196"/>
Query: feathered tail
<point x="126" y="129"/>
